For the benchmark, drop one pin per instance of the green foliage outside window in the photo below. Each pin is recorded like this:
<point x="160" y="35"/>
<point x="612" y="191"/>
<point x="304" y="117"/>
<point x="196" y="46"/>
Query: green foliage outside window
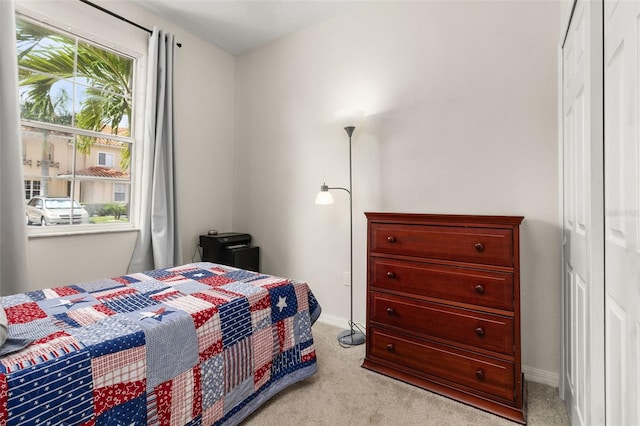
<point x="64" y="80"/>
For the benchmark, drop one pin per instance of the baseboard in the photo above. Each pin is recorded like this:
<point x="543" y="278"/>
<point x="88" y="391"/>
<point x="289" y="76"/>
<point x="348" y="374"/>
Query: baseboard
<point x="334" y="321"/>
<point x="537" y="375"/>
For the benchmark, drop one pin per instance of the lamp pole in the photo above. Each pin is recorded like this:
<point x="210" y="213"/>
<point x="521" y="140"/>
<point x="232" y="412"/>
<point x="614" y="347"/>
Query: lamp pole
<point x="351" y="337"/>
<point x="349" y="130"/>
<point x="348" y="337"/>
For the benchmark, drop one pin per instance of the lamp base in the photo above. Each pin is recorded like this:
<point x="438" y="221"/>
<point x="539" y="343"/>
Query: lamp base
<point x="351" y="337"/>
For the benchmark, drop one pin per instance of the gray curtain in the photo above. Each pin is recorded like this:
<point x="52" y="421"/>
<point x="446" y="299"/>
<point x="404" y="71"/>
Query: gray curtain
<point x="13" y="234"/>
<point x="158" y="243"/>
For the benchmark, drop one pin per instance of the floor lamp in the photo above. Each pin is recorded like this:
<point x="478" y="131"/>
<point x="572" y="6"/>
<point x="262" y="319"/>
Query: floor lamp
<point x="350" y="337"/>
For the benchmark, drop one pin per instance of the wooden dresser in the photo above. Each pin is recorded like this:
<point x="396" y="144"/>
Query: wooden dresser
<point x="443" y="306"/>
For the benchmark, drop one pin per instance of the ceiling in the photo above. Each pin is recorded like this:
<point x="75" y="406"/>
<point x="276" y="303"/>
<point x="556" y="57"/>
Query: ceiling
<point x="238" y="26"/>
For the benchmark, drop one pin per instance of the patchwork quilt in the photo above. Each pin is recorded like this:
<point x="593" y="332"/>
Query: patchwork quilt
<point x="198" y="344"/>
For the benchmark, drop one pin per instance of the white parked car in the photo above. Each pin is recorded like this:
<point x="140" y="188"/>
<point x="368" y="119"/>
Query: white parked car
<point x="55" y="211"/>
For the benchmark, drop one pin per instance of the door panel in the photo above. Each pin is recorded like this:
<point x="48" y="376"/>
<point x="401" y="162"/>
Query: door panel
<point x="576" y="79"/>
<point x="583" y="286"/>
<point x="622" y="191"/>
<point x="615" y="363"/>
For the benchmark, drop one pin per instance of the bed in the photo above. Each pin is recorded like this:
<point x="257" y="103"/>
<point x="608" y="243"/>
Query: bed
<point x="198" y="344"/>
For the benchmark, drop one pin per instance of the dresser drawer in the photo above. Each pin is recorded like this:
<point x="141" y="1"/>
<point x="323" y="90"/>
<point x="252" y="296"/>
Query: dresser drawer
<point x="483" y="288"/>
<point x="481" y="373"/>
<point x="492" y="246"/>
<point x="472" y="328"/>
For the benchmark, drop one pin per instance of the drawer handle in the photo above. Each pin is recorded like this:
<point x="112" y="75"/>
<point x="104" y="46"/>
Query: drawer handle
<point x="391" y="239"/>
<point x="391" y="275"/>
<point x="480" y="331"/>
<point x="480" y="289"/>
<point x="390" y="347"/>
<point x="390" y="311"/>
<point x="480" y="374"/>
<point x="479" y="246"/>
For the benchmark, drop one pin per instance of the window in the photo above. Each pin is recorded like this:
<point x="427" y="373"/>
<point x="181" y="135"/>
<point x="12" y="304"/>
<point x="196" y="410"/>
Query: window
<point x="77" y="101"/>
<point x="120" y="193"/>
<point x="31" y="188"/>
<point x="105" y="159"/>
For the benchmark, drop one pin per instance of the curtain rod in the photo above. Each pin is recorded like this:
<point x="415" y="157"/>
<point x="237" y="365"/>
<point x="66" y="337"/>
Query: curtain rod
<point x="122" y="18"/>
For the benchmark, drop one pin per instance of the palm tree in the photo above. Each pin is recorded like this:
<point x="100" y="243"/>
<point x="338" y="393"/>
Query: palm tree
<point x="49" y="61"/>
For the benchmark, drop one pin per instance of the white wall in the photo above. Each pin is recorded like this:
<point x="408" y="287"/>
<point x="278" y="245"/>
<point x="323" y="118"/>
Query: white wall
<point x="460" y="100"/>
<point x="461" y="104"/>
<point x="204" y="104"/>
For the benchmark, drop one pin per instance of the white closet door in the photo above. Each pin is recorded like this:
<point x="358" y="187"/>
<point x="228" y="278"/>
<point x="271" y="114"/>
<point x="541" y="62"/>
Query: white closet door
<point x="583" y="280"/>
<point x="622" y="230"/>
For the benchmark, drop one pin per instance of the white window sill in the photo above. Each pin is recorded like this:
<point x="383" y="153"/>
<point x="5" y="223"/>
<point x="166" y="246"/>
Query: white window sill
<point x="67" y="231"/>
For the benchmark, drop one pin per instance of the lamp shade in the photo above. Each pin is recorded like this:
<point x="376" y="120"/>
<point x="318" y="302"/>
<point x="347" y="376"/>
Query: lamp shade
<point x="324" y="196"/>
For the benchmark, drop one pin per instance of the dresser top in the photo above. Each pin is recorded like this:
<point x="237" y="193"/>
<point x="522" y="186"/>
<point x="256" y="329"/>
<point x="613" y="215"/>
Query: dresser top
<point x="450" y="219"/>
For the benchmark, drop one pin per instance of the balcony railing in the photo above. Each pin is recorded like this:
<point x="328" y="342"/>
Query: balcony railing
<point x="54" y="164"/>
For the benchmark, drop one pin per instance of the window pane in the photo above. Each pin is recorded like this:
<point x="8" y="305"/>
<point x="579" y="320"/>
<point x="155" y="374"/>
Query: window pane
<point x="120" y="194"/>
<point x="45" y="98"/>
<point x="106" y="159"/>
<point x="102" y="111"/>
<point x="94" y="184"/>
<point x="31" y="189"/>
<point x="104" y="89"/>
<point x="65" y="80"/>
<point x="43" y="49"/>
<point x="39" y="166"/>
<point x="103" y="193"/>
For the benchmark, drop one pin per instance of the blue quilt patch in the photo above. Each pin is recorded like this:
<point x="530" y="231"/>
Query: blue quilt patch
<point x="285" y="362"/>
<point x="36" y="296"/>
<point x="212" y="380"/>
<point x="197" y="274"/>
<point x="235" y="318"/>
<point x="148" y="287"/>
<point x="159" y="273"/>
<point x="129" y="279"/>
<point x="240" y="275"/>
<point x="109" y="335"/>
<point x="133" y="412"/>
<point x="169" y="345"/>
<point x="129" y="303"/>
<point x="52" y="393"/>
<point x="284" y="303"/>
<point x="195" y="422"/>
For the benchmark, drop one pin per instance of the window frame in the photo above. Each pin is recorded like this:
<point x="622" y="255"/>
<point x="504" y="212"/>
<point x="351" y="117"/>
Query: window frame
<point x="58" y="19"/>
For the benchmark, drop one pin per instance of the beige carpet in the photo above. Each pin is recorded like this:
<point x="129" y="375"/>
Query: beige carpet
<point x="343" y="393"/>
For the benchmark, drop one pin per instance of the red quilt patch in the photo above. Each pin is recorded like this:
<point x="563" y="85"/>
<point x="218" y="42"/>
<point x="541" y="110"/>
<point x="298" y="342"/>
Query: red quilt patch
<point x="212" y="350"/>
<point x="65" y="291"/>
<point x="203" y="316"/>
<point x="51" y="337"/>
<point x="215" y="280"/>
<point x="3" y="399"/>
<point x="102" y="308"/>
<point x="23" y="313"/>
<point x="163" y="402"/>
<point x="217" y="301"/>
<point x="263" y="303"/>
<point x="110" y="396"/>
